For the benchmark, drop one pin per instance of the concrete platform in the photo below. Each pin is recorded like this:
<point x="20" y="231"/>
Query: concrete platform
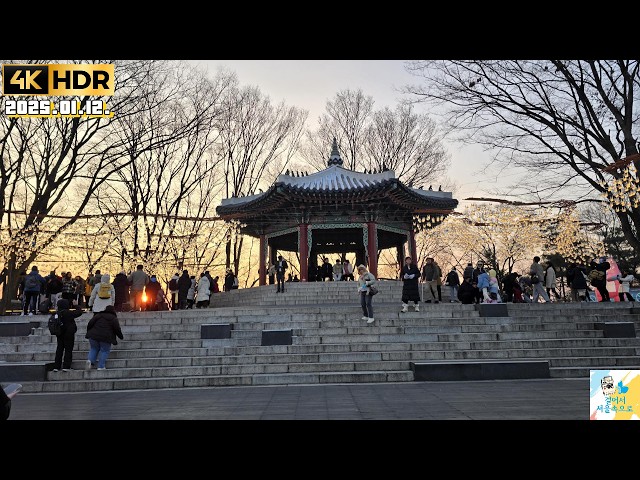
<point x="535" y="399"/>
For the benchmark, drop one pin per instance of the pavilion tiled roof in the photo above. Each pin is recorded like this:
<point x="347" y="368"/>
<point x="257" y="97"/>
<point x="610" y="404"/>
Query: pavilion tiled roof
<point x="337" y="184"/>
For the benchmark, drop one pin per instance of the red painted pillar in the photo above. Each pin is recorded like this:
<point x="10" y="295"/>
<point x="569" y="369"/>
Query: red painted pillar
<point x="413" y="250"/>
<point x="304" y="252"/>
<point x="371" y="248"/>
<point x="262" y="267"/>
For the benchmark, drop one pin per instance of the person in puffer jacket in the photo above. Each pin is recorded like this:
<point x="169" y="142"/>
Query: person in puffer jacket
<point x="102" y="331"/>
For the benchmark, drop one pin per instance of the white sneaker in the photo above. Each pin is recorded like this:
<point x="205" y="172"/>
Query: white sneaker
<point x="22" y="314"/>
<point x="67" y="369"/>
<point x="31" y="314"/>
<point x="405" y="308"/>
<point x="417" y="307"/>
<point x="103" y="368"/>
<point x="371" y="320"/>
<point x="55" y="370"/>
<point x="87" y="365"/>
<point x="364" y="318"/>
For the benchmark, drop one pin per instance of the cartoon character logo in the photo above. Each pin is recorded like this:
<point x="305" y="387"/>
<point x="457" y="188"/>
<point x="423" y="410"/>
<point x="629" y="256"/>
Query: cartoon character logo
<point x="607" y="385"/>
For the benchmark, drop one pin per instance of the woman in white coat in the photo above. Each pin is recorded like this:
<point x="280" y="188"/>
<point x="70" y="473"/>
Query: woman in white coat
<point x="204" y="291"/>
<point x="103" y="294"/>
<point x="550" y="281"/>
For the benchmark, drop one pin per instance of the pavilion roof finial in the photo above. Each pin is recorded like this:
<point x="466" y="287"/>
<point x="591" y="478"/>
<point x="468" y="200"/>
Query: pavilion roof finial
<point x="334" y="158"/>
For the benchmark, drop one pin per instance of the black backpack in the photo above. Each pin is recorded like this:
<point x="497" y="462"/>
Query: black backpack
<point x="173" y="284"/>
<point x="55" y="324"/>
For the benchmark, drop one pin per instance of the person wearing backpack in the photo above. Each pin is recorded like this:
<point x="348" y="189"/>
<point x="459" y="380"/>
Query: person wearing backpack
<point x="33" y="284"/>
<point x="67" y="335"/>
<point x="102" y="295"/>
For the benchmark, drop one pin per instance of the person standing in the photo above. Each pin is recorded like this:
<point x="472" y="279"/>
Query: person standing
<point x="54" y="288"/>
<point x="66" y="338"/>
<point x="326" y="270"/>
<point x="337" y="270"/>
<point x="281" y="268"/>
<point x="577" y="280"/>
<point x="550" y="281"/>
<point x="365" y="280"/>
<point x="69" y="286"/>
<point x="102" y="330"/>
<point x="228" y="280"/>
<point x="173" y="290"/>
<point x="184" y="284"/>
<point x="453" y="282"/>
<point x="102" y="295"/>
<point x="537" y="276"/>
<point x="191" y="293"/>
<point x="153" y="291"/>
<point x="625" y="280"/>
<point x="33" y="285"/>
<point x="598" y="277"/>
<point x="79" y="293"/>
<point x="429" y="278"/>
<point x="410" y="276"/>
<point x="438" y="276"/>
<point x="203" y="291"/>
<point x="272" y="274"/>
<point x="347" y="270"/>
<point x="121" y="289"/>
<point x="138" y="280"/>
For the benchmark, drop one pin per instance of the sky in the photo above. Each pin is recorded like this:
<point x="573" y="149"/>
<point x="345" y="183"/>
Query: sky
<point x="308" y="84"/>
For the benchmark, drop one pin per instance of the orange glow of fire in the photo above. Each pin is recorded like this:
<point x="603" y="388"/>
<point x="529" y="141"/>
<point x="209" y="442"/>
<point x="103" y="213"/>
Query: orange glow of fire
<point x="144" y="297"/>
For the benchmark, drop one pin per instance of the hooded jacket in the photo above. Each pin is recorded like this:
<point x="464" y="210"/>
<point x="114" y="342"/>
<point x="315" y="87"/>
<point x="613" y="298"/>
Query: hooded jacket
<point x="69" y="326"/>
<point x="98" y="304"/>
<point x="104" y="327"/>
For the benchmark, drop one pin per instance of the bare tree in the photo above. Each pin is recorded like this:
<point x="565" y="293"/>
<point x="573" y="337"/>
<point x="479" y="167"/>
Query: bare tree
<point x="162" y="183"/>
<point x="346" y="119"/>
<point x="407" y="143"/>
<point x="374" y="140"/>
<point x="254" y="134"/>
<point x="565" y="122"/>
<point x="52" y="166"/>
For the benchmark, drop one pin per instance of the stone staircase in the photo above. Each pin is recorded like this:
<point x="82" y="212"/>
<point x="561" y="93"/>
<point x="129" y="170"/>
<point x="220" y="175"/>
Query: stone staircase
<point x="329" y="343"/>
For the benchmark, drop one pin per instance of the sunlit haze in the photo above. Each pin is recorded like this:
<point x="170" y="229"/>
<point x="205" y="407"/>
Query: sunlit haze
<point x="308" y="84"/>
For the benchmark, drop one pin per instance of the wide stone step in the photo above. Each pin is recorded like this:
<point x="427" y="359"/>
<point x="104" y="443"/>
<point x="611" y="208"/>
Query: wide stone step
<point x="218" y="380"/>
<point x="241" y="369"/>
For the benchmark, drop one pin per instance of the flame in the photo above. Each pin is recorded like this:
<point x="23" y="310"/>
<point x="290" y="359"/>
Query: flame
<point x="144" y="297"/>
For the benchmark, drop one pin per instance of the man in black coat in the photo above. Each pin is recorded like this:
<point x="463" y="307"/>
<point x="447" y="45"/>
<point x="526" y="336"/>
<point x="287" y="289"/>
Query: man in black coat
<point x="184" y="284"/>
<point x="410" y="275"/>
<point x="281" y="268"/>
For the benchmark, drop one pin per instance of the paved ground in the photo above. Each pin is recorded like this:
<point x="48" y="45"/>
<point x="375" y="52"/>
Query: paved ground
<point x="540" y="399"/>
